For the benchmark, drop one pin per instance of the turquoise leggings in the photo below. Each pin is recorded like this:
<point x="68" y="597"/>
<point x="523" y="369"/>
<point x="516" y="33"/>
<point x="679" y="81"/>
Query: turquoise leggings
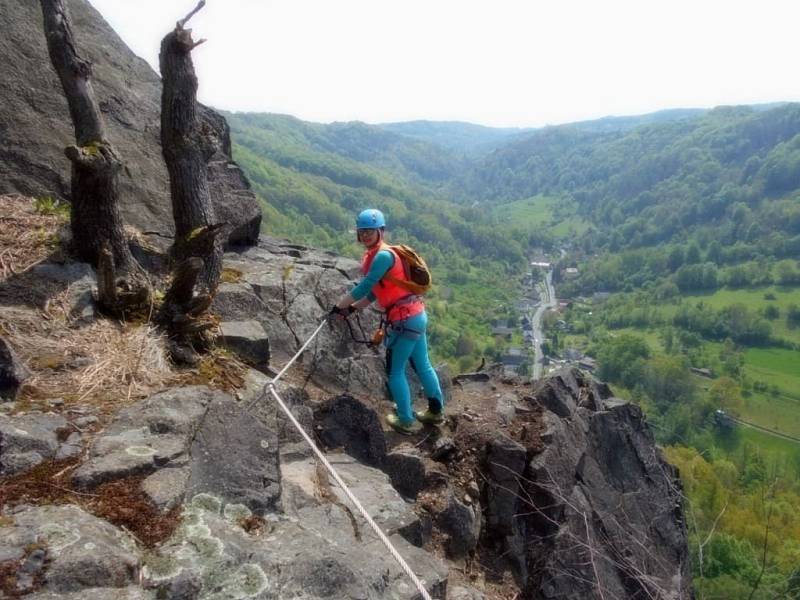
<point x="407" y="340"/>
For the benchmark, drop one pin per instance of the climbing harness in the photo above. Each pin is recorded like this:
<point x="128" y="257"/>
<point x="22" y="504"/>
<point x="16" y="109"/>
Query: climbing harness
<point x="377" y="337"/>
<point x="395" y="554"/>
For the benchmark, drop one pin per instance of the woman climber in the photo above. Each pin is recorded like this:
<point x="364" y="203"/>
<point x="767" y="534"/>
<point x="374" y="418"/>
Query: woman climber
<point x="407" y="321"/>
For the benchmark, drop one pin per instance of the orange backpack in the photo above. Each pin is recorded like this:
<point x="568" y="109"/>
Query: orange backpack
<point x="417" y="274"/>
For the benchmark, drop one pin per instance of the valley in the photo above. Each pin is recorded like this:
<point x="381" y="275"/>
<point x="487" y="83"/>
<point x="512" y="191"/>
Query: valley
<point x="675" y="241"/>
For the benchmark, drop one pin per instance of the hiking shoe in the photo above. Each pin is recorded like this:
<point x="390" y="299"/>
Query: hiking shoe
<point x="429" y="417"/>
<point x="399" y="426"/>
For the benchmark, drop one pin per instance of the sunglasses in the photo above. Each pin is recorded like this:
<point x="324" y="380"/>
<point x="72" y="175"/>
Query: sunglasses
<point x="365" y="232"/>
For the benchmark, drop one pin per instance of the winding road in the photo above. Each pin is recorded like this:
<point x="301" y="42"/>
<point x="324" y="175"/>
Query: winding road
<point x="548" y="301"/>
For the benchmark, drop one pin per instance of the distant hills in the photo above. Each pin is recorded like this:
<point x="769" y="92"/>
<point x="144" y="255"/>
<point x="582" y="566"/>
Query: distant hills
<point x="636" y="181"/>
<point x="465" y="138"/>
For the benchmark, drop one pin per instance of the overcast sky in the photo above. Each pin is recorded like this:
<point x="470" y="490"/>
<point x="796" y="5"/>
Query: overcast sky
<point x="493" y="62"/>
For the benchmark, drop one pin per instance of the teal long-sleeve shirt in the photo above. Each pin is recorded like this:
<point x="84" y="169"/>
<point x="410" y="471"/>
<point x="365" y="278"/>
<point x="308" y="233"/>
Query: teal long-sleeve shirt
<point x="382" y="262"/>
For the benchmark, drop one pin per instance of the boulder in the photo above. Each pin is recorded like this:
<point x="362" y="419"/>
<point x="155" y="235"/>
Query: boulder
<point x="407" y="470"/>
<point x="559" y="392"/>
<point x="247" y="339"/>
<point x="374" y="490"/>
<point x="150" y="434"/>
<point x="461" y="523"/>
<point x="82" y="550"/>
<point x="344" y="422"/>
<point x="27" y="440"/>
<point x="234" y="455"/>
<point x="71" y="447"/>
<point x="312" y="484"/>
<point x="80" y="281"/>
<point x="237" y="301"/>
<point x="13" y="372"/>
<point x="506" y="408"/>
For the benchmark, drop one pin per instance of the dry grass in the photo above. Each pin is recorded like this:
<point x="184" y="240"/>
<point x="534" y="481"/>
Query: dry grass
<point x="121" y="502"/>
<point x="124" y="504"/>
<point x="103" y="364"/>
<point x="217" y="369"/>
<point x="26" y="237"/>
<point x="231" y="275"/>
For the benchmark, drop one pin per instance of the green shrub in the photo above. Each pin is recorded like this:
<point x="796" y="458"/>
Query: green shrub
<point x="46" y="205"/>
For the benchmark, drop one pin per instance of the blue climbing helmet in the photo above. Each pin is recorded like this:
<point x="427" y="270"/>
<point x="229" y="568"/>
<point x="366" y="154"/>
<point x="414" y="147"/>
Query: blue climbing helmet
<point x="371" y="218"/>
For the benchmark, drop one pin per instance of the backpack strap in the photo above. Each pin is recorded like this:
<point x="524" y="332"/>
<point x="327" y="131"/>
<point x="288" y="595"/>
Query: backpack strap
<point x="412" y="287"/>
<point x="385" y="246"/>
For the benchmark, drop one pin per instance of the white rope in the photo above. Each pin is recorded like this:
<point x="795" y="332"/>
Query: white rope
<point x="332" y="471"/>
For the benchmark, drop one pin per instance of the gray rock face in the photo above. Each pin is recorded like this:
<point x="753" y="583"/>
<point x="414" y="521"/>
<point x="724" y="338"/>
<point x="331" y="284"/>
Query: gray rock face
<point x="462" y="524"/>
<point x="247" y="339"/>
<point x="27" y="440"/>
<point x="316" y="556"/>
<point x="234" y="455"/>
<point x="83" y="551"/>
<point x="153" y="433"/>
<point x="609" y="505"/>
<point x="233" y="201"/>
<point x="166" y="487"/>
<point x="289" y="289"/>
<point x="344" y="422"/>
<point x="464" y="593"/>
<point x="80" y="281"/>
<point x="35" y="126"/>
<point x="12" y="372"/>
<point x="371" y="486"/>
<point x="506" y="460"/>
<point x="103" y="593"/>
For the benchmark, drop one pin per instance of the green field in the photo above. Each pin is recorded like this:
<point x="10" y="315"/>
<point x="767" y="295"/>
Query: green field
<point x="543" y="211"/>
<point x="750" y="297"/>
<point x="754" y="298"/>
<point x="769" y="443"/>
<point x="777" y="407"/>
<point x="778" y="413"/>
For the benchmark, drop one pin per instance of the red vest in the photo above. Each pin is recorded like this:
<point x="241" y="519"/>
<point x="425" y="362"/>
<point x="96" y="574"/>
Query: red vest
<point x="390" y="295"/>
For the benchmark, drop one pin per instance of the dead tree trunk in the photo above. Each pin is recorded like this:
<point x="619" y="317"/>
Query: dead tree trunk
<point x="97" y="232"/>
<point x="187" y="148"/>
<point x="95" y="216"/>
<point x="185" y="314"/>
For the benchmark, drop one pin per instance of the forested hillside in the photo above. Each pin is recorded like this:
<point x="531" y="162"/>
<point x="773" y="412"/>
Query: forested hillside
<point x="464" y="138"/>
<point x="689" y="218"/>
<point x="661" y="182"/>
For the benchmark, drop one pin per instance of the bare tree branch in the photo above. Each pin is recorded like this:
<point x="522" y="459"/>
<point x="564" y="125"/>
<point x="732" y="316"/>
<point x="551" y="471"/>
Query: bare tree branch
<point x="766" y="496"/>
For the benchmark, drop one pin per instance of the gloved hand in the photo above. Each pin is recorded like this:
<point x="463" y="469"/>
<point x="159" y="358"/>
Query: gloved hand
<point x="341" y="313"/>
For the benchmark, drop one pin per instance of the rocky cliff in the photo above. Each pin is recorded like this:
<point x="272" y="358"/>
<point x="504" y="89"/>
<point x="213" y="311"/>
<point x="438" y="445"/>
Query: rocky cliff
<point x="122" y="476"/>
<point x="35" y="126"/>
<point x="202" y="489"/>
